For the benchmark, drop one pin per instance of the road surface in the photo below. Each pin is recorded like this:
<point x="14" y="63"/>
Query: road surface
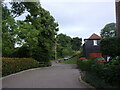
<point x="56" y="76"/>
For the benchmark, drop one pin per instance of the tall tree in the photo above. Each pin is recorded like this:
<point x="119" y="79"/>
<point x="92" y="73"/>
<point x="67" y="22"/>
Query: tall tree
<point x="8" y="32"/>
<point x="76" y="43"/>
<point x="37" y="32"/>
<point x="64" y="47"/>
<point x="44" y="25"/>
<point x="109" y="30"/>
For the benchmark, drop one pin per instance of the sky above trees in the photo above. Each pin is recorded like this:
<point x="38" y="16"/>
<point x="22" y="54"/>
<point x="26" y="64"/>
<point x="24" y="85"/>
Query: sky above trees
<point x="79" y="17"/>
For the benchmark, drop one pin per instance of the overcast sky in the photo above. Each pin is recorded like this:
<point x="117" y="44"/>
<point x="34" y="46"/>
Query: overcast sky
<point x="80" y="18"/>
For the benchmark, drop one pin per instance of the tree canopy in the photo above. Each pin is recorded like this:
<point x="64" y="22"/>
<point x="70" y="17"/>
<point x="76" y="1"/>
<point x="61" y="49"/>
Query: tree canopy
<point x="36" y="33"/>
<point x="109" y="30"/>
<point x="67" y="45"/>
<point x="64" y="47"/>
<point x="76" y="43"/>
<point x="35" y="36"/>
<point x="111" y="46"/>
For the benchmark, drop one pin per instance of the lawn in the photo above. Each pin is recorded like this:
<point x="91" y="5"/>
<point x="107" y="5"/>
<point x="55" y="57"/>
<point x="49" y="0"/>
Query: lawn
<point x="72" y="60"/>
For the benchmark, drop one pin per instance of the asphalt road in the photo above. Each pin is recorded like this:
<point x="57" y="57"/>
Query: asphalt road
<point x="56" y="76"/>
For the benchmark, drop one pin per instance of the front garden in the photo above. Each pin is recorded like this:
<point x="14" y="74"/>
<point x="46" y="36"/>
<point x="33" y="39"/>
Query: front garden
<point x="103" y="74"/>
<point x="100" y="74"/>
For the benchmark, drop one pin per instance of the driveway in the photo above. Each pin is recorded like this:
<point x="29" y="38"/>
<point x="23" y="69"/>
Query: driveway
<point x="56" y="76"/>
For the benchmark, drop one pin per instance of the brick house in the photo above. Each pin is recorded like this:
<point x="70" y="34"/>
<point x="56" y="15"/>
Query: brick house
<point x="91" y="46"/>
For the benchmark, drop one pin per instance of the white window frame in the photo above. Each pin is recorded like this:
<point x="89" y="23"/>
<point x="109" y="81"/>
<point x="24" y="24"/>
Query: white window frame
<point x="95" y="42"/>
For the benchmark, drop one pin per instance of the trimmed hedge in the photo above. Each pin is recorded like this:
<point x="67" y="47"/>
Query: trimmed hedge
<point x="13" y="65"/>
<point x="107" y="72"/>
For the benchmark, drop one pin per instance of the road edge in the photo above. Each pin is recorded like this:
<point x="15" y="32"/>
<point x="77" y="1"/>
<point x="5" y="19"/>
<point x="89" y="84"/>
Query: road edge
<point x="88" y="85"/>
<point x="22" y="72"/>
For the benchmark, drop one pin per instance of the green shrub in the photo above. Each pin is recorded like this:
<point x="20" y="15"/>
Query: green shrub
<point x="112" y="74"/>
<point x="107" y="72"/>
<point x="13" y="65"/>
<point x="96" y="81"/>
<point x="97" y="68"/>
<point x="85" y="65"/>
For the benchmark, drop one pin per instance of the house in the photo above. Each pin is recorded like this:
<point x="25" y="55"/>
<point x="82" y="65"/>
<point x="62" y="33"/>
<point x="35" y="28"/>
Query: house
<point x="91" y="47"/>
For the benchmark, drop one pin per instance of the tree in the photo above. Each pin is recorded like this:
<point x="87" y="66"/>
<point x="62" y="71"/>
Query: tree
<point x="64" y="47"/>
<point x="76" y="43"/>
<point x="111" y="46"/>
<point x="36" y="34"/>
<point x="39" y="25"/>
<point x="109" y="30"/>
<point x="8" y="32"/>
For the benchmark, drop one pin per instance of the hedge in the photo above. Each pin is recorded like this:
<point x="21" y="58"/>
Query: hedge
<point x="13" y="65"/>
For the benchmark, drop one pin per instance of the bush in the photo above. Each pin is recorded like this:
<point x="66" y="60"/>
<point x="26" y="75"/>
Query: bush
<point x="96" y="81"/>
<point x="112" y="73"/>
<point x="13" y="65"/>
<point x="85" y="65"/>
<point x="97" y="69"/>
<point x="107" y="72"/>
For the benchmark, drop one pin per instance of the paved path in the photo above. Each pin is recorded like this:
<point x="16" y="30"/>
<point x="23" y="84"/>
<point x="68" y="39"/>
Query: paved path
<point x="56" y="76"/>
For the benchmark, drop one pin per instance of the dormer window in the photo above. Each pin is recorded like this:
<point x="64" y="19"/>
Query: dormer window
<point x="95" y="42"/>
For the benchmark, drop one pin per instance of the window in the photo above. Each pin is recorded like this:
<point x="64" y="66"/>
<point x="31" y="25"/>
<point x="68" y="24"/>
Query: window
<point x="95" y="42"/>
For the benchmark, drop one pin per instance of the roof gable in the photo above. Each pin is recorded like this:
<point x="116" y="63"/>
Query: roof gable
<point x="94" y="36"/>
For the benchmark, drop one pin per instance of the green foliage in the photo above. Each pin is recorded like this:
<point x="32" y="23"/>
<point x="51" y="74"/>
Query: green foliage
<point x="13" y="65"/>
<point x="8" y="34"/>
<point x="64" y="47"/>
<point x="76" y="43"/>
<point x="95" y="81"/>
<point x="35" y="35"/>
<point x="109" y="30"/>
<point x="112" y="72"/>
<point x="110" y="46"/>
<point x="63" y="40"/>
<point x="108" y="73"/>
<point x="85" y="65"/>
<point x="22" y="52"/>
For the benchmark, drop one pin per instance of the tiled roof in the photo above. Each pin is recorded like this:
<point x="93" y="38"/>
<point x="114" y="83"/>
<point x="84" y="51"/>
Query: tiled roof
<point x="94" y="36"/>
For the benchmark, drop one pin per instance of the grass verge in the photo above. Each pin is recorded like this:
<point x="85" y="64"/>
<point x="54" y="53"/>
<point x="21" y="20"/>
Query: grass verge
<point x="72" y="60"/>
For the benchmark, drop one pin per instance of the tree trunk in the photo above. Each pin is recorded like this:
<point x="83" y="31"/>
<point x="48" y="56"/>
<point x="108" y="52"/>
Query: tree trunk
<point x="118" y="17"/>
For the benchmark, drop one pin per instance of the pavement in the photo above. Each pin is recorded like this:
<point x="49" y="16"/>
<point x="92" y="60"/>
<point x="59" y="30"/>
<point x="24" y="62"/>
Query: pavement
<point x="56" y="76"/>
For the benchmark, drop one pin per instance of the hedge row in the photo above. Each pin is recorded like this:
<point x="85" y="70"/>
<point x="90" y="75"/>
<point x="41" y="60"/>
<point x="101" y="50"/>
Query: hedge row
<point x="107" y="72"/>
<point x="13" y="65"/>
